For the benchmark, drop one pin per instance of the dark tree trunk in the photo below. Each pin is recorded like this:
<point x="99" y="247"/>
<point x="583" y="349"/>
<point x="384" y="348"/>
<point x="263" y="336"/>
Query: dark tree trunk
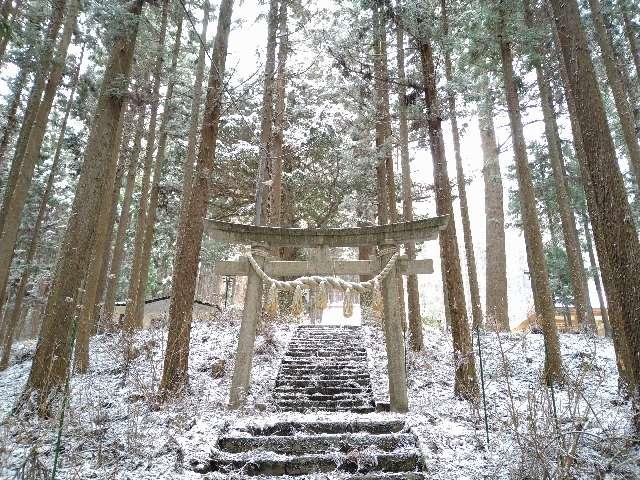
<point x="185" y="269"/>
<point x="51" y="360"/>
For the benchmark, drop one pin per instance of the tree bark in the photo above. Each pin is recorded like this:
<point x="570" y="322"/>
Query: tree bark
<point x="466" y="384"/>
<point x="10" y="14"/>
<point x="266" y="122"/>
<point x="596" y="275"/>
<point x="195" y="113"/>
<point x="620" y="95"/>
<point x="476" y="305"/>
<point x="133" y="315"/>
<point x="33" y="145"/>
<point x="632" y="37"/>
<point x="45" y="61"/>
<point x="176" y="360"/>
<point x="579" y="284"/>
<point x="100" y="250"/>
<point x="613" y="311"/>
<point x="615" y="233"/>
<point x="16" y="311"/>
<point x="150" y="226"/>
<point x="275" y="214"/>
<point x="497" y="304"/>
<point x="51" y="360"/>
<point x="123" y="223"/>
<point x="542" y="298"/>
<point x="12" y="118"/>
<point x="416" y="338"/>
<point x="384" y="134"/>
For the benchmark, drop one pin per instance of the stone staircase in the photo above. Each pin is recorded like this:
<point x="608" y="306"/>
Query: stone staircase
<point x="357" y="449"/>
<point x="325" y="369"/>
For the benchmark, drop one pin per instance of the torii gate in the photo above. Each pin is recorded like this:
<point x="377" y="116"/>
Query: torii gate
<point x="385" y="237"/>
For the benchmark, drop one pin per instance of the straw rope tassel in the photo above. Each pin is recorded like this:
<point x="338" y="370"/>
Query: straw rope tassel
<point x="272" y="300"/>
<point x="347" y="304"/>
<point x="297" y="307"/>
<point x="322" y="296"/>
<point x="378" y="302"/>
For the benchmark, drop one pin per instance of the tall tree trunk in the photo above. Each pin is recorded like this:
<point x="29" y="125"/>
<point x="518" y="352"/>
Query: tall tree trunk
<point x="542" y="298"/>
<point x="266" y="122"/>
<point x="596" y="275"/>
<point x="195" y="113"/>
<point x="615" y="233"/>
<point x="275" y="215"/>
<point x="466" y="384"/>
<point x="16" y="311"/>
<point x="496" y="259"/>
<point x="632" y="36"/>
<point x="45" y="60"/>
<point x="51" y="360"/>
<point x="100" y="249"/>
<point x="123" y="223"/>
<point x="10" y="15"/>
<point x="384" y="134"/>
<point x="176" y="359"/>
<point x="132" y="315"/>
<point x="416" y="338"/>
<point x="476" y="305"/>
<point x="150" y="226"/>
<point x="614" y="311"/>
<point x="12" y="118"/>
<point x="579" y="284"/>
<point x="32" y="149"/>
<point x="620" y="95"/>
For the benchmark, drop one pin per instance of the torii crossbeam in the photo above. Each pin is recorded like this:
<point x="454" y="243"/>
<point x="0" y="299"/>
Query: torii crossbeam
<point x="263" y="239"/>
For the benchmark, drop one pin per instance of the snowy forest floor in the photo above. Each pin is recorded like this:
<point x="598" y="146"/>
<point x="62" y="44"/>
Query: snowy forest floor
<point x="115" y="428"/>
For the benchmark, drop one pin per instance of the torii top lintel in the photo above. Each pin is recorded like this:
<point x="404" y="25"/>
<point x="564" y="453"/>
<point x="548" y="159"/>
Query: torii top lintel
<point x="415" y="231"/>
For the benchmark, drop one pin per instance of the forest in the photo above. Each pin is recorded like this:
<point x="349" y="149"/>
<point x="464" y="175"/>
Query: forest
<point x="367" y="239"/>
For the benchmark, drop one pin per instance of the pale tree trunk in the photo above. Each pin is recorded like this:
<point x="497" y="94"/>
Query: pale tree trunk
<point x="543" y="301"/>
<point x="620" y="95"/>
<point x="579" y="284"/>
<point x="266" y="121"/>
<point x="613" y="311"/>
<point x="497" y="305"/>
<point x="100" y="249"/>
<point x="12" y="114"/>
<point x="123" y="223"/>
<point x="466" y="383"/>
<point x="45" y="60"/>
<point x="10" y="14"/>
<point x="150" y="227"/>
<point x="185" y="270"/>
<point x="32" y="149"/>
<point x="279" y="117"/>
<point x="596" y="275"/>
<point x="195" y="113"/>
<point x="16" y="311"/>
<point x="51" y="360"/>
<point x="616" y="237"/>
<point x="132" y="316"/>
<point x="476" y="305"/>
<point x="384" y="133"/>
<point x="416" y="338"/>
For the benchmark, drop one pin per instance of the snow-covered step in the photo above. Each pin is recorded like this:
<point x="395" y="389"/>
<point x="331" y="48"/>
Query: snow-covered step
<point x="355" y="425"/>
<point x="306" y="444"/>
<point x="267" y="463"/>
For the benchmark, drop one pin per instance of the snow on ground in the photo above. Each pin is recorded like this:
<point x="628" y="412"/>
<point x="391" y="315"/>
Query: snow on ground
<point x="115" y="428"/>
